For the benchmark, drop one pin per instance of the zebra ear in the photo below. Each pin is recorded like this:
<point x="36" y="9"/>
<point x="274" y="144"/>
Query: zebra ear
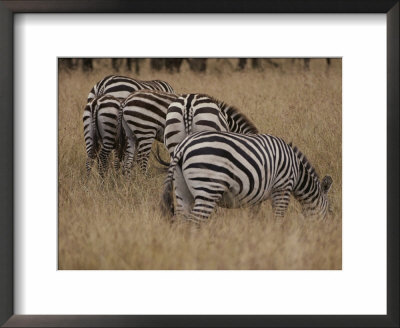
<point x="326" y="183"/>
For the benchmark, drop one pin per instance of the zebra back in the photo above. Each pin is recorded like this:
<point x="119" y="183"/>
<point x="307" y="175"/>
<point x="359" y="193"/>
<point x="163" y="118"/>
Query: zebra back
<point x="192" y="113"/>
<point x="98" y="88"/>
<point x="122" y="86"/>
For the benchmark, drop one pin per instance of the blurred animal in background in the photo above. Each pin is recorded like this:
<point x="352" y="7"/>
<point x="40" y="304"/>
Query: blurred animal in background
<point x="174" y="65"/>
<point x="117" y="63"/>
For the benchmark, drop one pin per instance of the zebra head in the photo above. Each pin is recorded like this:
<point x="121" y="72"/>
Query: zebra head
<point x="309" y="191"/>
<point x="316" y="203"/>
<point x="326" y="185"/>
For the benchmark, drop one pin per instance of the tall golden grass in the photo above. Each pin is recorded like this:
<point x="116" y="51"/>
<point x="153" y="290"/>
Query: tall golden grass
<point x="118" y="225"/>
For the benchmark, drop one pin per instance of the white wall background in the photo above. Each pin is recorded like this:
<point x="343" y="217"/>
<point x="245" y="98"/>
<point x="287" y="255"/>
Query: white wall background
<point x="360" y="288"/>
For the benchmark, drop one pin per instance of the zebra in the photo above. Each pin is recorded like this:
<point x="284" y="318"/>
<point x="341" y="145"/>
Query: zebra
<point x="144" y="113"/>
<point x="192" y="113"/>
<point x="122" y="86"/>
<point x="118" y="87"/>
<point x="155" y="115"/>
<point x="104" y="132"/>
<point x="234" y="170"/>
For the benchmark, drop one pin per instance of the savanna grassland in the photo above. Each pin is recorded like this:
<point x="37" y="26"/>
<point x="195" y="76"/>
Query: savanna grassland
<point x="118" y="224"/>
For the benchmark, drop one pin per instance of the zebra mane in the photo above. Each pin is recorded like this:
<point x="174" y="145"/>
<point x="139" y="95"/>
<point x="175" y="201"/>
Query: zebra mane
<point x="235" y="114"/>
<point x="310" y="169"/>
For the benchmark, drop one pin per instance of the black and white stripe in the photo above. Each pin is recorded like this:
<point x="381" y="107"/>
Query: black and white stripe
<point x="233" y="170"/>
<point x="118" y="87"/>
<point x="122" y="86"/>
<point x="102" y="131"/>
<point x="145" y="112"/>
<point x="192" y="113"/>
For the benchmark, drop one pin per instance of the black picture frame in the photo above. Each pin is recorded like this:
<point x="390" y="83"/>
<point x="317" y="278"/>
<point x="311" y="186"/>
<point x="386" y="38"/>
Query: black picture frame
<point x="7" y="11"/>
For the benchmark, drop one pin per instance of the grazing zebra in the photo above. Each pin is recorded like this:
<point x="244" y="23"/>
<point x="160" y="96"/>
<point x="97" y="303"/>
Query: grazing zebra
<point x="234" y="170"/>
<point x="118" y="87"/>
<point x="192" y="113"/>
<point x="145" y="112"/>
<point x="103" y="131"/>
<point x="122" y="86"/>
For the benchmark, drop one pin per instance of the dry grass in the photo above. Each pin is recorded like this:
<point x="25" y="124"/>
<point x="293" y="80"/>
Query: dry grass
<point x="117" y="225"/>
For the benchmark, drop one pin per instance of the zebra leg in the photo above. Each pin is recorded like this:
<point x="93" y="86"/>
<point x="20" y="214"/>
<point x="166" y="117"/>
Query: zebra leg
<point x="143" y="159"/>
<point x="103" y="160"/>
<point x="280" y="202"/>
<point x="128" y="163"/>
<point x="144" y="154"/>
<point x="184" y="198"/>
<point x="116" y="164"/>
<point x="117" y="160"/>
<point x="202" y="209"/>
<point x="89" y="165"/>
<point x="129" y="156"/>
<point x="91" y="156"/>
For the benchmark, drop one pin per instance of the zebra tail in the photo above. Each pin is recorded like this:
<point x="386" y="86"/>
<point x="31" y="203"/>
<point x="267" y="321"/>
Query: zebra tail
<point x="167" y="201"/>
<point x="94" y="133"/>
<point x="157" y="155"/>
<point x="128" y="133"/>
<point x="119" y="135"/>
<point x="129" y="147"/>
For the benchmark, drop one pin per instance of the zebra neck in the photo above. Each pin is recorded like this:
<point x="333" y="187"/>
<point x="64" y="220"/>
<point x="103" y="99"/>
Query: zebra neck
<point x="237" y="121"/>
